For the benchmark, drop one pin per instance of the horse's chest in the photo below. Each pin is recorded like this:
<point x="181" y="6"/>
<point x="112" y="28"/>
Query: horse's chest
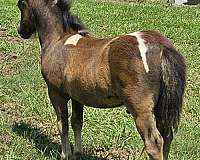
<point x="52" y="72"/>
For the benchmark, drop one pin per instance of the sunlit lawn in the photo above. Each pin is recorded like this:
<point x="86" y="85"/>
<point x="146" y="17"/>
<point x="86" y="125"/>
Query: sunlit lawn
<point x="28" y="122"/>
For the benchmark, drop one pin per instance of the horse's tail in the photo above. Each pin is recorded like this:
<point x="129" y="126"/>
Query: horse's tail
<point x="169" y="106"/>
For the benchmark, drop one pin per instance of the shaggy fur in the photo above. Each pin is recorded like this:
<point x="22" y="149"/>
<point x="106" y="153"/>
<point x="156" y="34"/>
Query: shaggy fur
<point x="141" y="70"/>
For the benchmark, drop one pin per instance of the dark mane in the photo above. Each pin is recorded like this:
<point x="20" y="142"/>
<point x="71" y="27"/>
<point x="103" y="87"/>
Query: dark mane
<point x="70" y="21"/>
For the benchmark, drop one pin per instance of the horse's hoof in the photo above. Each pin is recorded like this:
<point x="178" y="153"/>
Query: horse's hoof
<point x="76" y="156"/>
<point x="63" y="157"/>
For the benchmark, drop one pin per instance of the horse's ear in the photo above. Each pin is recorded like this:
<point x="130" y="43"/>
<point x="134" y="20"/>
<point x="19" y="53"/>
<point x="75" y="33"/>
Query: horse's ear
<point x="63" y="4"/>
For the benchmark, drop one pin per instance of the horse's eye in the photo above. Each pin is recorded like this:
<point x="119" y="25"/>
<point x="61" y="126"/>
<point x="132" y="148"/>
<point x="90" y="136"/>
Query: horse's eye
<point x="21" y="4"/>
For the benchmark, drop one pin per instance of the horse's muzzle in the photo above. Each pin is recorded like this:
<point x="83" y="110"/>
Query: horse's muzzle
<point x="23" y="34"/>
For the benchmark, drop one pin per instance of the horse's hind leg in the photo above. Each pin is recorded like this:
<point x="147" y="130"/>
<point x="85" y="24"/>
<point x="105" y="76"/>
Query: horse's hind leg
<point x="153" y="141"/>
<point x="59" y="103"/>
<point x="140" y="105"/>
<point x="167" y="137"/>
<point x="77" y="123"/>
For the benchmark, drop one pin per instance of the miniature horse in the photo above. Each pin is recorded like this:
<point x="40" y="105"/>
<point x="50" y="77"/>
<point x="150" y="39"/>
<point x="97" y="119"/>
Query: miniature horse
<point x="140" y="70"/>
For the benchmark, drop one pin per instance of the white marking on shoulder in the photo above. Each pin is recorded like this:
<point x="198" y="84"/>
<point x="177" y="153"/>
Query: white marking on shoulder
<point x="73" y="39"/>
<point x="161" y="53"/>
<point x="55" y="1"/>
<point x="142" y="47"/>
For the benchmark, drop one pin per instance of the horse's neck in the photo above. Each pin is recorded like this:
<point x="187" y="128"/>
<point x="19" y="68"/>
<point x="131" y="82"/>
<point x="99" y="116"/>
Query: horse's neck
<point x="49" y="27"/>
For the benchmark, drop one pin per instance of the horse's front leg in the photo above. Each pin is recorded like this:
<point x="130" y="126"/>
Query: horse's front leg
<point x="77" y="123"/>
<point x="59" y="102"/>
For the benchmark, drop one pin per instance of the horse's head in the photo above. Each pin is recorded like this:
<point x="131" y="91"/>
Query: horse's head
<point x="57" y="8"/>
<point x="27" y="23"/>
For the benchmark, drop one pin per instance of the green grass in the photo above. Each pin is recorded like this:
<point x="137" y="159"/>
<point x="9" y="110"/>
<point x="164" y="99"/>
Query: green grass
<point x="28" y="122"/>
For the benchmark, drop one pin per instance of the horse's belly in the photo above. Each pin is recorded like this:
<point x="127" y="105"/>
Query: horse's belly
<point x="100" y="98"/>
<point x="98" y="101"/>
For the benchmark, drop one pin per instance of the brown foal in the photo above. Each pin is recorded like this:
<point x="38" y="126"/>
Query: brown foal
<point x="141" y="70"/>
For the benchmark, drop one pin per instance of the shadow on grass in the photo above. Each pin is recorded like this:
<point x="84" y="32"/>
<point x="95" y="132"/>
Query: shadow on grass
<point x="43" y="142"/>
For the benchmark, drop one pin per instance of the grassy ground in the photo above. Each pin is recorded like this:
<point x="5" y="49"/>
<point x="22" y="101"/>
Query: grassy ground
<point x="27" y="123"/>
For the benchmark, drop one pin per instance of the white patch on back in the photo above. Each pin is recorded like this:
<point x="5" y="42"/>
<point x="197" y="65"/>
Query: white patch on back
<point x="73" y="39"/>
<point x="142" y="47"/>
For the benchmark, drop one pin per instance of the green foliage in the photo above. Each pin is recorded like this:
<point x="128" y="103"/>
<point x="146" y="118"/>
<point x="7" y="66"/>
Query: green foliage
<point x="27" y="124"/>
